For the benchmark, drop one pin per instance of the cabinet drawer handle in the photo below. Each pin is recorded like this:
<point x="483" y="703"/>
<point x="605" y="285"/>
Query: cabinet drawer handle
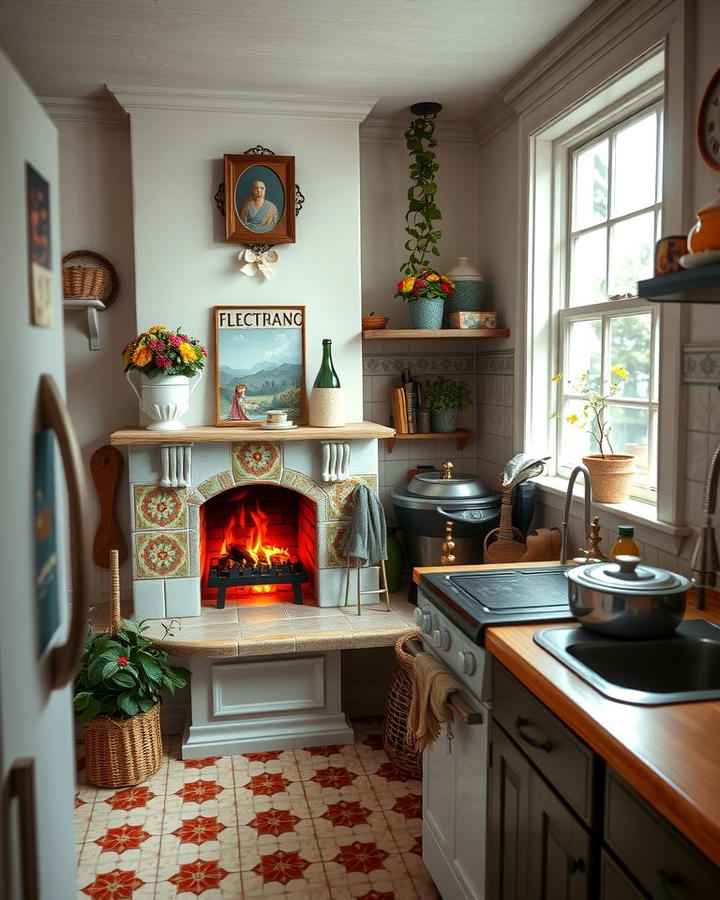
<point x="669" y="880"/>
<point x="545" y="745"/>
<point x="575" y="865"/>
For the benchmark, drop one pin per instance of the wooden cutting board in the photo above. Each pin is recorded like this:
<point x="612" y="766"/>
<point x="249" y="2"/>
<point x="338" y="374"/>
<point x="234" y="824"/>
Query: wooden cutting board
<point x="106" y="466"/>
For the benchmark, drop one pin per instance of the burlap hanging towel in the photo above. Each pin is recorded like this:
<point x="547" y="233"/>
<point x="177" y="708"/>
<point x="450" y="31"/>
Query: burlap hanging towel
<point x="429" y="709"/>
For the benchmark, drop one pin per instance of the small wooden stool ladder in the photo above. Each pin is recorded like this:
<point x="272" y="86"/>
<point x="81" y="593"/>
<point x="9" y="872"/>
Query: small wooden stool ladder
<point x="382" y="590"/>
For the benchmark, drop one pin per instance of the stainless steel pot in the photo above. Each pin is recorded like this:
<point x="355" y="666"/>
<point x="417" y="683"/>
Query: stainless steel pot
<point x="422" y="506"/>
<point x="626" y="599"/>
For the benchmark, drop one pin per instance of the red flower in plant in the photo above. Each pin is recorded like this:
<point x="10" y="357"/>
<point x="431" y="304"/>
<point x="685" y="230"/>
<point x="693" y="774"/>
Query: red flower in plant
<point x="263" y="757"/>
<point x="130" y="798"/>
<point x="388" y="770"/>
<point x="198" y="876"/>
<point x="115" y="885"/>
<point x="122" y="660"/>
<point x="334" y="777"/>
<point x="409" y="806"/>
<point x="118" y="840"/>
<point x="281" y="866"/>
<point x="274" y="822"/>
<point x="420" y="283"/>
<point x="199" y="830"/>
<point x="347" y="814"/>
<point x="359" y="857"/>
<point x="201" y="763"/>
<point x="324" y="751"/>
<point x="446" y="287"/>
<point x="374" y="741"/>
<point x="267" y="784"/>
<point x="378" y="895"/>
<point x="199" y="791"/>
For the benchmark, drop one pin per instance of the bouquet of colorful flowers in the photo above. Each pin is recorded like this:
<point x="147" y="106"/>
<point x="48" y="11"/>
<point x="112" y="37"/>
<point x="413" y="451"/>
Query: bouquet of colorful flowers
<point x="429" y="283"/>
<point x="159" y="351"/>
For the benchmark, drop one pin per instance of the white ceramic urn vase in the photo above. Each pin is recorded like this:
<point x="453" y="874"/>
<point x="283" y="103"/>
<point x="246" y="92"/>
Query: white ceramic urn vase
<point x="164" y="399"/>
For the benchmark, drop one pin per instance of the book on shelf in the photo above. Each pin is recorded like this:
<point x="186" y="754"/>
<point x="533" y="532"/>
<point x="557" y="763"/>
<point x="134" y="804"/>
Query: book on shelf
<point x="399" y="410"/>
<point x="411" y="405"/>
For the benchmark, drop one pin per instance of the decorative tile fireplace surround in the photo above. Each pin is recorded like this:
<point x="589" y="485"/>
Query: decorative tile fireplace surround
<point x="173" y="476"/>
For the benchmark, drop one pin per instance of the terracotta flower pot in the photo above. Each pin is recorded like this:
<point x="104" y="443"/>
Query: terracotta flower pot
<point x="611" y="476"/>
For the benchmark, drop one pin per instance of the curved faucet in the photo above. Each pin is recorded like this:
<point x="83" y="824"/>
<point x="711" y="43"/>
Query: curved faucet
<point x="566" y="511"/>
<point x="705" y="563"/>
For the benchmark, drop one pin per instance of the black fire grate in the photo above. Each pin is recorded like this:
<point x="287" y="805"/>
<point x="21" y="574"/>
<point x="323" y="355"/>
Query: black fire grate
<point x="226" y="572"/>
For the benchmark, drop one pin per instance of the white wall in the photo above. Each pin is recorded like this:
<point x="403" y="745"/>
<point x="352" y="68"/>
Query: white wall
<point x="183" y="267"/>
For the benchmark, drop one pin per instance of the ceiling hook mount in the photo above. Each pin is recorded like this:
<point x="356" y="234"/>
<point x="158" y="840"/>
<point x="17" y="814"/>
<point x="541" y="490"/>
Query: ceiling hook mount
<point x="428" y="109"/>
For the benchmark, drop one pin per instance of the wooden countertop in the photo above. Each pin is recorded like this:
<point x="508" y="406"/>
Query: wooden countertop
<point x="667" y="753"/>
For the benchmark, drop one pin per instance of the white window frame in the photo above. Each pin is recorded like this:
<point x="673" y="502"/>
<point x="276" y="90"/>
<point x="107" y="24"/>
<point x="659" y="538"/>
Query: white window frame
<point x="636" y="104"/>
<point x="554" y="104"/>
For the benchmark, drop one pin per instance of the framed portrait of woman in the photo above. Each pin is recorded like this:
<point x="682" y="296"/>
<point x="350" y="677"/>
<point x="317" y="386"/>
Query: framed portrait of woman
<point x="259" y="199"/>
<point x="259" y="363"/>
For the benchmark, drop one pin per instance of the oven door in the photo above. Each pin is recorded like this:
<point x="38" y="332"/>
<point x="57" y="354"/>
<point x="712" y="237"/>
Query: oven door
<point x="455" y="803"/>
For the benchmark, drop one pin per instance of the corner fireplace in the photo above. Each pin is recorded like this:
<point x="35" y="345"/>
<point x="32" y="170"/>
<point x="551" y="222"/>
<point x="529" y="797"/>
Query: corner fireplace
<point x="257" y="539"/>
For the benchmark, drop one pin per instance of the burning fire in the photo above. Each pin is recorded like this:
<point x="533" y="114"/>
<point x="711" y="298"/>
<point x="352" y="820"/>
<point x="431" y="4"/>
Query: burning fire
<point x="248" y="531"/>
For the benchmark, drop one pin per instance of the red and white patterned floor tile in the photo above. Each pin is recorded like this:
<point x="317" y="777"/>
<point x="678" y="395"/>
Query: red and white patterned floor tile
<point x="330" y="822"/>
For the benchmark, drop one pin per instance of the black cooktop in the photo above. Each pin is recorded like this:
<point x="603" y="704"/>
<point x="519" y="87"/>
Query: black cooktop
<point x="476" y="600"/>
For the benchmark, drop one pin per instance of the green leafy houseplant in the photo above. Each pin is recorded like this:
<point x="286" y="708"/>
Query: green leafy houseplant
<point x="443" y="394"/>
<point x="422" y="212"/>
<point x="121" y="674"/>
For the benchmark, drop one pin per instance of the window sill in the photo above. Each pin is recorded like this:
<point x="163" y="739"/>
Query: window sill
<point x="650" y="529"/>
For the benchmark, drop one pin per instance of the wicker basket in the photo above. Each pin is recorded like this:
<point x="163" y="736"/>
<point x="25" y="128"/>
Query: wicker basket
<point x="86" y="282"/>
<point x="122" y="752"/>
<point x="399" y="748"/>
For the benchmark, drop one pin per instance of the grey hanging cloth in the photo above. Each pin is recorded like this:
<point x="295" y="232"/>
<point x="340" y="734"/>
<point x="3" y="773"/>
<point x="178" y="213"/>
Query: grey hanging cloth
<point x="366" y="538"/>
<point x="520" y="468"/>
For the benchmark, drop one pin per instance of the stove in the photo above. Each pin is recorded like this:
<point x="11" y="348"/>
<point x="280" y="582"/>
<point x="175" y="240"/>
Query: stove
<point x="473" y="601"/>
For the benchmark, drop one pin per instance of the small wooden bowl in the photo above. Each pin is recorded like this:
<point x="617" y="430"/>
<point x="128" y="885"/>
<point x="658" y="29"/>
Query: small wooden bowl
<point x="374" y="323"/>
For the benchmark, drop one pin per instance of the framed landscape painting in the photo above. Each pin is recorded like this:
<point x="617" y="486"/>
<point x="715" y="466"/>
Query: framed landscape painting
<point x="259" y="363"/>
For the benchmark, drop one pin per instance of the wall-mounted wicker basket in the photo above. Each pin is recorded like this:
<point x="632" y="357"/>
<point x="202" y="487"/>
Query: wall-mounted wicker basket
<point x="89" y="276"/>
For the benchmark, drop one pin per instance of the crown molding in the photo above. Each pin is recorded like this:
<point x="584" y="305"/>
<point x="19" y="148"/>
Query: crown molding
<point x="78" y="111"/>
<point x="141" y="97"/>
<point x="495" y="118"/>
<point x="391" y="129"/>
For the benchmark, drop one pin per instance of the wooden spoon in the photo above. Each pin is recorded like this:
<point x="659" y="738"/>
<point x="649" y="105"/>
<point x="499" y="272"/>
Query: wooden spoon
<point x="106" y="467"/>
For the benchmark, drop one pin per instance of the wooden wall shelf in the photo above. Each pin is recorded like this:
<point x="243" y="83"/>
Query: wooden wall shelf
<point x="211" y="434"/>
<point x="701" y="285"/>
<point x="462" y="436"/>
<point x="404" y="334"/>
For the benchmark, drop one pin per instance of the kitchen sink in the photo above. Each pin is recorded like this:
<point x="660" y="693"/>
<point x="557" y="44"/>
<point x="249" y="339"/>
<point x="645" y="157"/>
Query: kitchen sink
<point x="678" y="668"/>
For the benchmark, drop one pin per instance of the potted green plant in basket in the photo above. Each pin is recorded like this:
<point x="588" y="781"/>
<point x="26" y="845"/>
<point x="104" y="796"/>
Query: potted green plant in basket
<point x="444" y="398"/>
<point x="611" y="472"/>
<point x="117" y="698"/>
<point x="423" y="286"/>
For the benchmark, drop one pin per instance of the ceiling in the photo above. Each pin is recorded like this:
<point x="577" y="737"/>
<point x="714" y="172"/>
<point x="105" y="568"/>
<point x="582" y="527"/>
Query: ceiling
<point x="457" y="52"/>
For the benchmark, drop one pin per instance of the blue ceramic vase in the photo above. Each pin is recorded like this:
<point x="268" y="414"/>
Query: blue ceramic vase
<point x="426" y="313"/>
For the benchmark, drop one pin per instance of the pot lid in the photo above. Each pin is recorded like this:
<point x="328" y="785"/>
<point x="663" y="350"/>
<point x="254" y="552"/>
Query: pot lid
<point x="434" y="485"/>
<point x="626" y="575"/>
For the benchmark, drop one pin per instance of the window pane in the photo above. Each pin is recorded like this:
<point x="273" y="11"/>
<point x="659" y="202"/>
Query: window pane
<point x="591" y="186"/>
<point x="629" y="432"/>
<point x="575" y="442"/>
<point x="634" y="166"/>
<point x="587" y="269"/>
<point x="631" y="252"/>
<point x="630" y="348"/>
<point x="583" y="353"/>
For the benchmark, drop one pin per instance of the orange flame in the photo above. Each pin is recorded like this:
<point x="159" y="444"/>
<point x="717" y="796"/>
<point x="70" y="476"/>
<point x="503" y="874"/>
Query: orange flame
<point x="248" y="527"/>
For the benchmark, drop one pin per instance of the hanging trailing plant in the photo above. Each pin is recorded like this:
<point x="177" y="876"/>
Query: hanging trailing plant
<point x="422" y="210"/>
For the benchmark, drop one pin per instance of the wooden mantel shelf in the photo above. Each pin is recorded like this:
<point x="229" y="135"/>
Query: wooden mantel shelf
<point x="213" y="434"/>
<point x="394" y="334"/>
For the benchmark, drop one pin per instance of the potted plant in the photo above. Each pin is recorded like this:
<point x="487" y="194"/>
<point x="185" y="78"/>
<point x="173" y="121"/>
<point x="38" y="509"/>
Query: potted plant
<point x="611" y="472"/>
<point x="423" y="286"/>
<point x="117" y="699"/>
<point x="444" y="398"/>
<point x="166" y="360"/>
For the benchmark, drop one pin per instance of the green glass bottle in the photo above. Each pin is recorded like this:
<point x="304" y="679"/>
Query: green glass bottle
<point x="327" y="376"/>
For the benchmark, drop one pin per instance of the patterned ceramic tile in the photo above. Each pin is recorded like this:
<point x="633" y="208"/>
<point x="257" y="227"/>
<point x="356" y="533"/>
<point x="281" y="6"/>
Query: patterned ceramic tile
<point x="339" y="496"/>
<point x="256" y="459"/>
<point x="216" y="485"/>
<point x="159" y="508"/>
<point x="330" y="541"/>
<point x="419" y="365"/>
<point x="304" y="485"/>
<point x="161" y="555"/>
<point x="701" y="365"/>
